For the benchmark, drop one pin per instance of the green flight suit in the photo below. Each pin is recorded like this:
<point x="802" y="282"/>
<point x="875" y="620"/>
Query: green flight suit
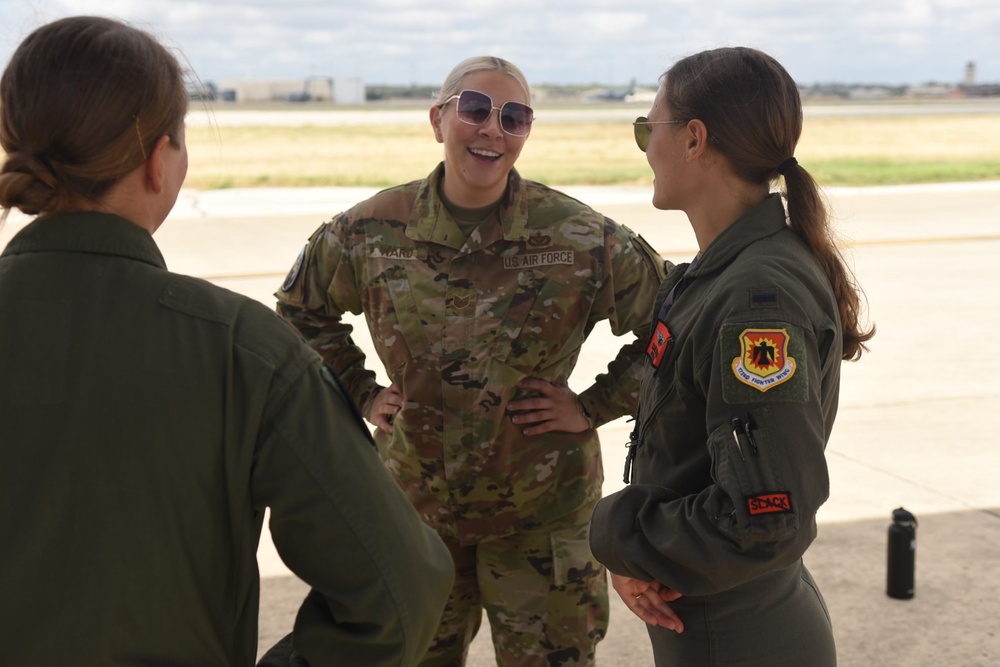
<point x="737" y="404"/>
<point x="149" y="419"/>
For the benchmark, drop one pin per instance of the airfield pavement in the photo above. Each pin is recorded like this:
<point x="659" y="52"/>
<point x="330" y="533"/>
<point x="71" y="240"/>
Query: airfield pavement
<point x="919" y="418"/>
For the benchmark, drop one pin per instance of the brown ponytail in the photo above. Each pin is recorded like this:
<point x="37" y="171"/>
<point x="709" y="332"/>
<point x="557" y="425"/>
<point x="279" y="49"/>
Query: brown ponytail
<point x="808" y="218"/>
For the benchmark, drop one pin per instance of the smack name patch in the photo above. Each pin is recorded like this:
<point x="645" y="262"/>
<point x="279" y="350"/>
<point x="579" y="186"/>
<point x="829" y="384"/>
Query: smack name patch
<point x="775" y="502"/>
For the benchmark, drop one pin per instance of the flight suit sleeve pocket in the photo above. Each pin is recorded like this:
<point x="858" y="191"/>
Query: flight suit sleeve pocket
<point x="753" y="501"/>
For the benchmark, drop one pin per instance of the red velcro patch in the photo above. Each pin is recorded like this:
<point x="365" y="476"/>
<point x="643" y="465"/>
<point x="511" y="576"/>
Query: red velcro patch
<point x="769" y="503"/>
<point x="658" y="343"/>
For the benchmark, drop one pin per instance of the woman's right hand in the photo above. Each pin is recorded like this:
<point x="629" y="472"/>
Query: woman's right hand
<point x="385" y="407"/>
<point x="648" y="600"/>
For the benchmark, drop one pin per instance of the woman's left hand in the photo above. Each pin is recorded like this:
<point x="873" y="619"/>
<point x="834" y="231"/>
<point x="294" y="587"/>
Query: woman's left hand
<point x="648" y="600"/>
<point x="557" y="409"/>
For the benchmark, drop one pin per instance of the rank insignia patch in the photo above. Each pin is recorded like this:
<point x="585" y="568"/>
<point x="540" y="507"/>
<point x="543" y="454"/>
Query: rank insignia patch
<point x="764" y="362"/>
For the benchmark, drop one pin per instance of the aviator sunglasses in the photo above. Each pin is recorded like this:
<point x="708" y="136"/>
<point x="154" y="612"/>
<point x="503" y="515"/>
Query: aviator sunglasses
<point x="643" y="128"/>
<point x="475" y="108"/>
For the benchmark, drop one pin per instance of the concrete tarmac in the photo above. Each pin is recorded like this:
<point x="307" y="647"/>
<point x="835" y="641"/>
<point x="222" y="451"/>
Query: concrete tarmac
<point x="915" y="428"/>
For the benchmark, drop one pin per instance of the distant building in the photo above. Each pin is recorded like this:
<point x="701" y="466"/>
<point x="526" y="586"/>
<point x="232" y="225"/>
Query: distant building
<point x="982" y="90"/>
<point x="931" y="91"/>
<point x="870" y="93"/>
<point x="970" y="88"/>
<point x="349" y="90"/>
<point x="336" y="90"/>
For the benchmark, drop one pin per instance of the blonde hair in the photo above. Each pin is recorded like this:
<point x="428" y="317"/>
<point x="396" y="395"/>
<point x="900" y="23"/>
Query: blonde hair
<point x="73" y="131"/>
<point x="453" y="82"/>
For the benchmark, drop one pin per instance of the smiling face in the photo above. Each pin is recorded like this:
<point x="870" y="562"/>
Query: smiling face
<point x="666" y="154"/>
<point x="478" y="158"/>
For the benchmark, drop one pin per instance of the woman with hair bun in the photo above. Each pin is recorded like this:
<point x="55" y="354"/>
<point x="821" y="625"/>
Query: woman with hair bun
<point x="741" y="381"/>
<point x="150" y="418"/>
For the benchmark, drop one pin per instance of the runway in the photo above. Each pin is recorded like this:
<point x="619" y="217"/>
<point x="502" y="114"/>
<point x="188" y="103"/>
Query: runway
<point x="316" y="115"/>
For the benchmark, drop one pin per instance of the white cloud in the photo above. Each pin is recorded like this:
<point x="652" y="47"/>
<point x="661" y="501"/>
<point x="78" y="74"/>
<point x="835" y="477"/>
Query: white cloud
<point x="560" y="41"/>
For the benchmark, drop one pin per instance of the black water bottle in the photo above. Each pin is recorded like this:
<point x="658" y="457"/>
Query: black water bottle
<point x="902" y="555"/>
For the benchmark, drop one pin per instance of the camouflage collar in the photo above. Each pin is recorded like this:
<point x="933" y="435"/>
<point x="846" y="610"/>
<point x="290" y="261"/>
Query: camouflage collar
<point x="431" y="222"/>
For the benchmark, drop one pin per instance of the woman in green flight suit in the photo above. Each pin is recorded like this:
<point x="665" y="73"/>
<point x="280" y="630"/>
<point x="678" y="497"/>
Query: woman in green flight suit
<point x="741" y="382"/>
<point x="150" y="418"/>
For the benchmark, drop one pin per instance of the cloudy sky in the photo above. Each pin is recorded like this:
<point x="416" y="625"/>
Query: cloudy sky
<point x="606" y="42"/>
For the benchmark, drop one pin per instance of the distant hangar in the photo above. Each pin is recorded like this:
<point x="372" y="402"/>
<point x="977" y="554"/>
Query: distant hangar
<point x="332" y="89"/>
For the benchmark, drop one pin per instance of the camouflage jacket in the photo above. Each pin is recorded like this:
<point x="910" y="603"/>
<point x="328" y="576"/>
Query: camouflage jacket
<point x="458" y="322"/>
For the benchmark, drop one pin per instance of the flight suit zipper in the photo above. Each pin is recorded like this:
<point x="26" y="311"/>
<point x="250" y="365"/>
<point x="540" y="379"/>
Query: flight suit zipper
<point x="631" y="446"/>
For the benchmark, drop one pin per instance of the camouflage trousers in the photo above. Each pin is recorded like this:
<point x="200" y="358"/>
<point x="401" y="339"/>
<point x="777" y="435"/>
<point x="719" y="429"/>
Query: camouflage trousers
<point x="545" y="595"/>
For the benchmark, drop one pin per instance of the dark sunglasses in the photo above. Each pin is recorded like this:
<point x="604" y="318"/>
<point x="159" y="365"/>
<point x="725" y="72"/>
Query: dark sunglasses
<point x="643" y="128"/>
<point x="475" y="108"/>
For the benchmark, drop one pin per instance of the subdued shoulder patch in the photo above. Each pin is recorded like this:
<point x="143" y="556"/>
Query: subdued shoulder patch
<point x="762" y="362"/>
<point x="655" y="260"/>
<point x="293" y="273"/>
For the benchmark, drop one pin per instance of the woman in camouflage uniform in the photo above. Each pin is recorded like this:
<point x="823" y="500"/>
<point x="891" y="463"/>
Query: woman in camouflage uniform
<point x="740" y="390"/>
<point x="479" y="288"/>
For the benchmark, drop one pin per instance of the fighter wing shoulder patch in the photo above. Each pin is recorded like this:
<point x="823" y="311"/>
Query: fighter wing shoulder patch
<point x="762" y="362"/>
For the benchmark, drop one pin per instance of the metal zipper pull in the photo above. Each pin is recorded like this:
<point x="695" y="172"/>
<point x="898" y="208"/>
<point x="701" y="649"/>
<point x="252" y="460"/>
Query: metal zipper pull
<point x="631" y="446"/>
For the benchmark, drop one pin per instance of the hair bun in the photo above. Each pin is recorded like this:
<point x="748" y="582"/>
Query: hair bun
<point x="28" y="183"/>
